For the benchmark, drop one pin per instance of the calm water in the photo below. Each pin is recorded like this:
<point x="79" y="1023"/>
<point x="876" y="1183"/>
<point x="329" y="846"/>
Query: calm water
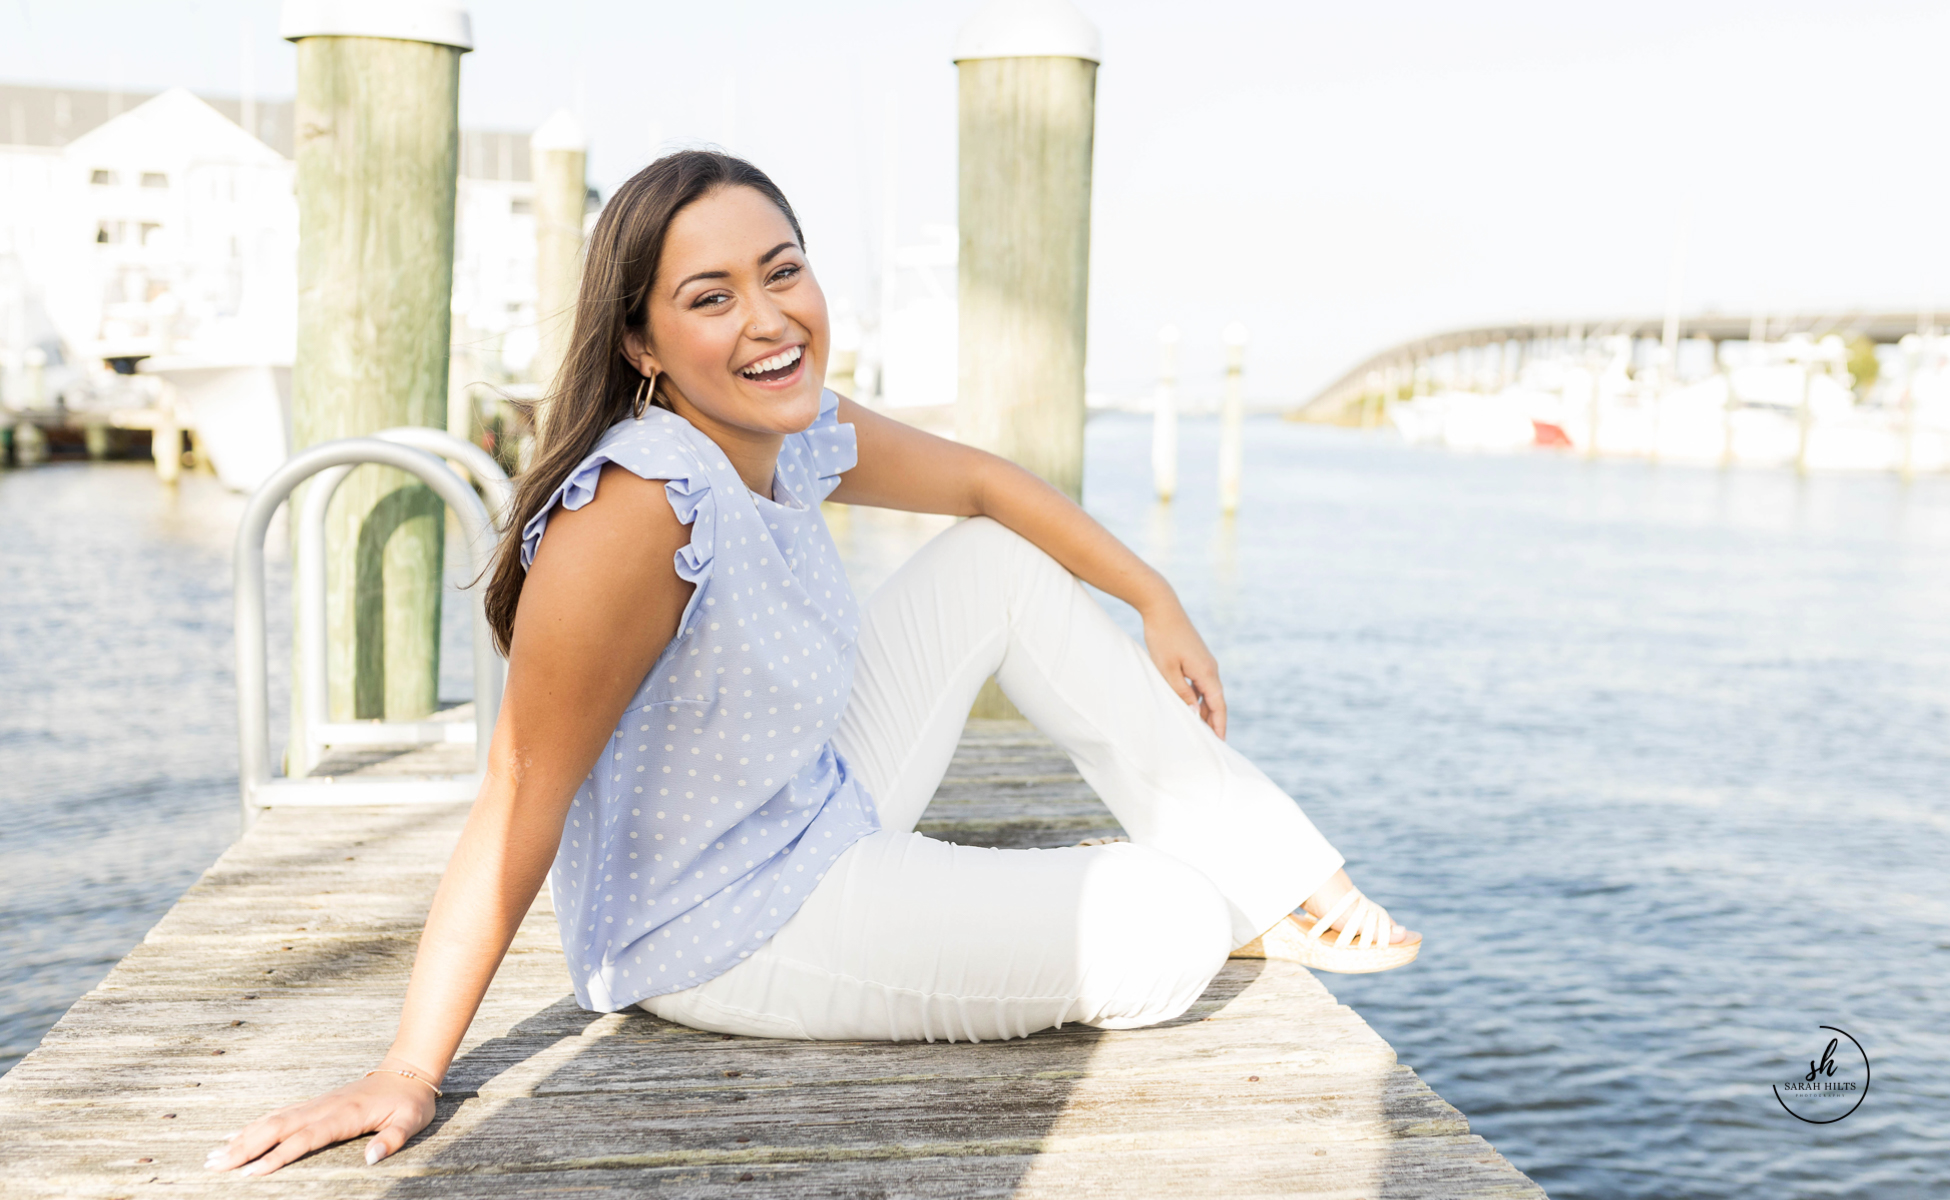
<point x="1656" y="758"/>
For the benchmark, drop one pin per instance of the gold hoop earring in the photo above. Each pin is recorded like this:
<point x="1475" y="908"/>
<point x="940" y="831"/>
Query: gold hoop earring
<point x="641" y="405"/>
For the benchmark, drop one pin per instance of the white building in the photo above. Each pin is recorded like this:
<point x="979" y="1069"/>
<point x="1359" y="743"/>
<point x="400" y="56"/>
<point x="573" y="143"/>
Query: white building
<point x="170" y="231"/>
<point x="157" y="226"/>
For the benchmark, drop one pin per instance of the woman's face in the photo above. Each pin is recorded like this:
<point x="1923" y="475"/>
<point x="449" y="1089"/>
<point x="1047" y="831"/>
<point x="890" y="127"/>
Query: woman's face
<point x="737" y="324"/>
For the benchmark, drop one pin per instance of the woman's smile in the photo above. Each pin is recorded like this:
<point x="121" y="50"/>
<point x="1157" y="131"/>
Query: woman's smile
<point x="780" y="370"/>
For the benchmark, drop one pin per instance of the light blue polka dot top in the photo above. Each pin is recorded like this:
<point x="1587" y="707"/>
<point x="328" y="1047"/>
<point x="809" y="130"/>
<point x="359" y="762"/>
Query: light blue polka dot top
<point x="720" y="801"/>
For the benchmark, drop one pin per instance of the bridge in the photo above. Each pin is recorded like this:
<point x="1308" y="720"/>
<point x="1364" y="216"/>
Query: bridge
<point x="1494" y="354"/>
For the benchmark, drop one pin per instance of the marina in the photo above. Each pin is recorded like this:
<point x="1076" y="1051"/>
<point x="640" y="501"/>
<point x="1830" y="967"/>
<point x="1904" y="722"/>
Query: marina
<point x="1604" y="638"/>
<point x="1850" y="391"/>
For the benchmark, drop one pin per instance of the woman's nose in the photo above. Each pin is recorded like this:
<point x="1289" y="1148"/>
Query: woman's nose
<point x="767" y="321"/>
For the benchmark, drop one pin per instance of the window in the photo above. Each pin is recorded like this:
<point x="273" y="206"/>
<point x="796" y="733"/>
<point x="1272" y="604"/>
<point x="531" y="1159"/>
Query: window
<point x="149" y="231"/>
<point x="155" y="179"/>
<point x="108" y="232"/>
<point x="103" y="177"/>
<point x="521" y="207"/>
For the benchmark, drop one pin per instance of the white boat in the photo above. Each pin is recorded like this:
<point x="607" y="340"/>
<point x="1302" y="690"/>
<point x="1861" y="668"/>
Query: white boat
<point x="1789" y="403"/>
<point x="240" y="412"/>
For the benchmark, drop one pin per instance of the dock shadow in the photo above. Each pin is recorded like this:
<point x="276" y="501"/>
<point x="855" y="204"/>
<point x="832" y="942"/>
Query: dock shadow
<point x="629" y="1103"/>
<point x="703" y="1112"/>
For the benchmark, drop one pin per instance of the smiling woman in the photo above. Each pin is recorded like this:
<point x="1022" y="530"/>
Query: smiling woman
<point x="717" y="757"/>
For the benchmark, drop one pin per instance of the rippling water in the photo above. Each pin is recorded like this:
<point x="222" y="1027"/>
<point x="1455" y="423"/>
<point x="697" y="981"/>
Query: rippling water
<point x="1656" y="758"/>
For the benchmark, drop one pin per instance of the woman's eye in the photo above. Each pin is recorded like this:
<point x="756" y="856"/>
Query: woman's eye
<point x="710" y="300"/>
<point x="785" y="272"/>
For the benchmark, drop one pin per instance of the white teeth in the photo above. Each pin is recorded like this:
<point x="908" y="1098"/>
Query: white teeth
<point x="784" y="358"/>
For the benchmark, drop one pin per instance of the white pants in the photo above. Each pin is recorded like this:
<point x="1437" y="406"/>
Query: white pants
<point x="908" y="937"/>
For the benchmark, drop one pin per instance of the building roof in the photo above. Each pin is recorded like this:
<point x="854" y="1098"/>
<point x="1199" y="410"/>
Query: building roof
<point x="53" y="117"/>
<point x="172" y="125"/>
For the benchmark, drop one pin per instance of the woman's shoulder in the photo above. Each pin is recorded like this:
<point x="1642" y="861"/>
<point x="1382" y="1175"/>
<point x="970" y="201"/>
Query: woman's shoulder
<point x="658" y="447"/>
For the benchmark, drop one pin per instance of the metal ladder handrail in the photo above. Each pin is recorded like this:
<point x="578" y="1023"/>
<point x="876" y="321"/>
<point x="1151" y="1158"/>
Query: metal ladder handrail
<point x="318" y="731"/>
<point x="256" y="787"/>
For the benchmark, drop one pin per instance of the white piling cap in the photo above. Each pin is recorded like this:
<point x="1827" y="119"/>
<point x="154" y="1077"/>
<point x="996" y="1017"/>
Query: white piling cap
<point x="436" y="21"/>
<point x="1029" y="29"/>
<point x="559" y="132"/>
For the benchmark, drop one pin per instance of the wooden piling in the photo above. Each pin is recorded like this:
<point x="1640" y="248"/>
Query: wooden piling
<point x="30" y="444"/>
<point x="560" y="153"/>
<point x="1232" y="419"/>
<point x="843" y="353"/>
<point x="378" y="141"/>
<point x="166" y="438"/>
<point x="1028" y="75"/>
<point x="1028" y="97"/>
<point x="840" y="372"/>
<point x="1164" y="420"/>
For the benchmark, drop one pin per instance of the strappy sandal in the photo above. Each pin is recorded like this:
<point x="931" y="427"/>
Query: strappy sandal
<point x="1364" y="943"/>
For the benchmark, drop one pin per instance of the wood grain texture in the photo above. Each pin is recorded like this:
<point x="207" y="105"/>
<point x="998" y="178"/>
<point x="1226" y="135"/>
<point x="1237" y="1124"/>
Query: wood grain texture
<point x="1027" y="131"/>
<point x="378" y="142"/>
<point x="279" y="974"/>
<point x="560" y="199"/>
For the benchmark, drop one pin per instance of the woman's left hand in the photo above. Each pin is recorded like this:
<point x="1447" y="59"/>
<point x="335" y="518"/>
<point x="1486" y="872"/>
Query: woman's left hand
<point x="1186" y="664"/>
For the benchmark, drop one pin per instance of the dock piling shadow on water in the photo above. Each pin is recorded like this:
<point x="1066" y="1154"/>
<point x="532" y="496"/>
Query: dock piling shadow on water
<point x="279" y="975"/>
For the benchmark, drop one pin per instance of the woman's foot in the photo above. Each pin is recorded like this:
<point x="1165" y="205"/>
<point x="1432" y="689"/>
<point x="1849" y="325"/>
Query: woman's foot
<point x="1331" y="894"/>
<point x="1367" y="939"/>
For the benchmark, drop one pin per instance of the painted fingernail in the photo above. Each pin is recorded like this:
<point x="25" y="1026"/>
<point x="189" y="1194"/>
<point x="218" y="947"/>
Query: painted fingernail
<point x="373" y="1155"/>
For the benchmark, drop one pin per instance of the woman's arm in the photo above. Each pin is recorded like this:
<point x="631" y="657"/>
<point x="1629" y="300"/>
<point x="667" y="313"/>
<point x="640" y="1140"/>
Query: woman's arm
<point x="600" y="604"/>
<point x="903" y="467"/>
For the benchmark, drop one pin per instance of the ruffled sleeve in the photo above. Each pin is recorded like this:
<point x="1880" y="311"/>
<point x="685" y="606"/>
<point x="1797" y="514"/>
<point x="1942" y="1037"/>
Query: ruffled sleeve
<point x="652" y="448"/>
<point x="829" y="448"/>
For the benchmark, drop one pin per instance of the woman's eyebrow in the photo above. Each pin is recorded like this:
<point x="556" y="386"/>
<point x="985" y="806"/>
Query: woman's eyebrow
<point x="768" y="256"/>
<point x="689" y="280"/>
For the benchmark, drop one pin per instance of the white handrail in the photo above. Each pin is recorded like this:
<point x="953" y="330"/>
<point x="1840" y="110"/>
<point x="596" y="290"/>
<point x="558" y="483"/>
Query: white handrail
<point x="319" y="731"/>
<point x="253" y="702"/>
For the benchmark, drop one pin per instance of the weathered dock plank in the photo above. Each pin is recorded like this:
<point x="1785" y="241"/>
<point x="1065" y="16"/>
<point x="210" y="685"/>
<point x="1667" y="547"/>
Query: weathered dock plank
<point x="279" y="975"/>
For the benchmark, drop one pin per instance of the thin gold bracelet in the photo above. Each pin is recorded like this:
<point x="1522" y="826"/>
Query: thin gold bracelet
<point x="409" y="1074"/>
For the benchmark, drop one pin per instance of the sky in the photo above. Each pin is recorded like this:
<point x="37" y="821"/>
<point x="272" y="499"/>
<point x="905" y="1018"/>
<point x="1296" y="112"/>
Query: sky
<point x="1336" y="177"/>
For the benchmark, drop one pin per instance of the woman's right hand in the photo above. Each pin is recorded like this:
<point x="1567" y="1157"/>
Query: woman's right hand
<point x="392" y="1105"/>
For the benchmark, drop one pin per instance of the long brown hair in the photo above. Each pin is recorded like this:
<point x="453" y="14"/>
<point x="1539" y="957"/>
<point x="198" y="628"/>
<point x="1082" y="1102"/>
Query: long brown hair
<point x="597" y="385"/>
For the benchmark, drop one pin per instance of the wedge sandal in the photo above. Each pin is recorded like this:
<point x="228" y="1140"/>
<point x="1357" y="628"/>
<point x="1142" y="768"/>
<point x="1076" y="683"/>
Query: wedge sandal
<point x="1362" y="946"/>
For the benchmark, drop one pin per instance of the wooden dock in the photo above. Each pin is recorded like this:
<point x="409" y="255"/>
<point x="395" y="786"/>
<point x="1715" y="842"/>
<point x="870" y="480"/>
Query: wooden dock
<point x="279" y="975"/>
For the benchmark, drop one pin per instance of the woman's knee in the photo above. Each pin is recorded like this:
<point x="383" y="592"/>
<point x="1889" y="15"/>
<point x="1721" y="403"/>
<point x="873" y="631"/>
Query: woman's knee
<point x="1151" y="933"/>
<point x="989" y="539"/>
